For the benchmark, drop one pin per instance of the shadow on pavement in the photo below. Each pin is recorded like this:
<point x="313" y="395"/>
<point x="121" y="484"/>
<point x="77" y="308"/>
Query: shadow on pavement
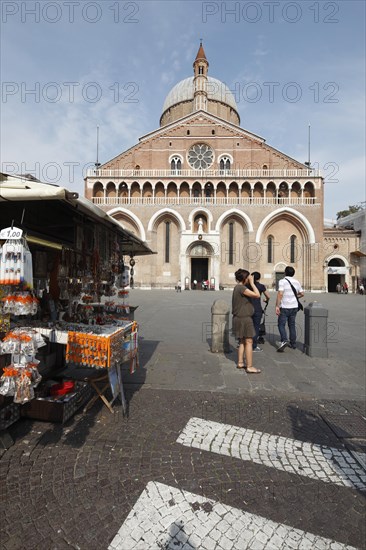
<point x="75" y="431"/>
<point x="177" y="538"/>
<point x="133" y="382"/>
<point x="308" y="426"/>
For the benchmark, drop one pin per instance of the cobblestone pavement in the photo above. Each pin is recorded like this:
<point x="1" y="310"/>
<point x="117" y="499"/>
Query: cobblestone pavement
<point x="320" y="462"/>
<point x="206" y="524"/>
<point x="74" y="486"/>
<point x="297" y="479"/>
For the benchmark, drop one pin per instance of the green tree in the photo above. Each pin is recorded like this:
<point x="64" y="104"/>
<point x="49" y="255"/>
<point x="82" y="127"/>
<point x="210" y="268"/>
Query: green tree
<point x="351" y="210"/>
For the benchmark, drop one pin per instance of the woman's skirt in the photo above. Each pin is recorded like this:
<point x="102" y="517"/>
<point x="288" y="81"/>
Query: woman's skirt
<point x="243" y="327"/>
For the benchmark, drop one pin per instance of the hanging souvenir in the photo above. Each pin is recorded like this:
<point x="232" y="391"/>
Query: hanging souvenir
<point x="16" y="263"/>
<point x="21" y="377"/>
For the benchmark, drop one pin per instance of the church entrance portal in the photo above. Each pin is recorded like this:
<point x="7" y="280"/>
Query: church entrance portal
<point x="333" y="280"/>
<point x="336" y="273"/>
<point x="199" y="270"/>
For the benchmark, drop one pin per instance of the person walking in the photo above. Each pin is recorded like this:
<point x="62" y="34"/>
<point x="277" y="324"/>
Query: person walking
<point x="179" y="286"/>
<point x="339" y="288"/>
<point x="287" y="306"/>
<point x="258" y="311"/>
<point x="243" y="310"/>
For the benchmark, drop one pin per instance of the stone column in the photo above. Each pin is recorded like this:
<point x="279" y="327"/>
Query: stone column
<point x="316" y="330"/>
<point x="220" y="327"/>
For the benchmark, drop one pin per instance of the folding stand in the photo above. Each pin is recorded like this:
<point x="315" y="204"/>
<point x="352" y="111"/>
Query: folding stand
<point x="100" y="382"/>
<point x="100" y="385"/>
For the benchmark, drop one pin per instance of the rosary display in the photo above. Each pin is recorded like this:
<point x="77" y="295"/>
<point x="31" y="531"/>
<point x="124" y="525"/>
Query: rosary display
<point x="102" y="336"/>
<point x="16" y="263"/>
<point x="100" y="351"/>
<point x="16" y="277"/>
<point x="20" y="303"/>
<point x="21" y="377"/>
<point x="87" y="350"/>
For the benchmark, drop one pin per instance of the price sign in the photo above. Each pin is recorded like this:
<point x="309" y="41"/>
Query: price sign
<point x="11" y="233"/>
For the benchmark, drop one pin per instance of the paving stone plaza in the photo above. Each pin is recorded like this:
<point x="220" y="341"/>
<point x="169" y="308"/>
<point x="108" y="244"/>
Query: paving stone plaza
<point x="207" y="456"/>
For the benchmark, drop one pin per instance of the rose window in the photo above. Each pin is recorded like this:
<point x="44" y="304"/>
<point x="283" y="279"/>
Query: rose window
<point x="200" y="156"/>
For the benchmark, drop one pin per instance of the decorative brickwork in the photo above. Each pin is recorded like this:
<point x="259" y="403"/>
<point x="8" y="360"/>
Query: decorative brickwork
<point x="265" y="194"/>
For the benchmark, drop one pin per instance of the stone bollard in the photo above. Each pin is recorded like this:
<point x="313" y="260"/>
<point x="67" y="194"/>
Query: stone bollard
<point x="316" y="330"/>
<point x="220" y="312"/>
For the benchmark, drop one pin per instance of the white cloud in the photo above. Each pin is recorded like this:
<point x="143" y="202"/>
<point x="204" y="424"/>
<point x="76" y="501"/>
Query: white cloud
<point x="156" y="53"/>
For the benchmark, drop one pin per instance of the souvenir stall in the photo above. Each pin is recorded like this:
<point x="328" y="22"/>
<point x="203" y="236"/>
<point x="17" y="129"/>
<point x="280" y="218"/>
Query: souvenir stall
<point x="66" y="324"/>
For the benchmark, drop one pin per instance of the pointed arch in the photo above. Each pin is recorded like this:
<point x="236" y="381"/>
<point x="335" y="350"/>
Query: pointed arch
<point x="277" y="214"/>
<point x="195" y="211"/>
<point x="309" y="190"/>
<point x="111" y="189"/>
<point x="98" y="189"/>
<point x="184" y="190"/>
<point x="238" y="213"/>
<point x="295" y="190"/>
<point x="246" y="190"/>
<point x="258" y="190"/>
<point x="159" y="189"/>
<point x="172" y="189"/>
<point x="147" y="189"/>
<point x="132" y="216"/>
<point x="169" y="211"/>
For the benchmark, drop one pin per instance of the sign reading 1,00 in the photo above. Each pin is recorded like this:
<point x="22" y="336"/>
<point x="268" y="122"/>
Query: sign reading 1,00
<point x="11" y="233"/>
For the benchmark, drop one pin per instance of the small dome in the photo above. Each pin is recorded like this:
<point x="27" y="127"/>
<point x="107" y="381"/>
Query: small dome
<point x="184" y="91"/>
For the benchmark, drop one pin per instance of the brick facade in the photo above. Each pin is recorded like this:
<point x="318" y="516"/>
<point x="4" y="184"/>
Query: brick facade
<point x="252" y="206"/>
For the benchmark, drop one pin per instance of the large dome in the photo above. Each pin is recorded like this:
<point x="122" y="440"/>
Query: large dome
<point x="184" y="91"/>
<point x="200" y="93"/>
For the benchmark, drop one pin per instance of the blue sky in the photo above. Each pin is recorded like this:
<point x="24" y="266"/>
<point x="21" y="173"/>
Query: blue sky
<point x="68" y="66"/>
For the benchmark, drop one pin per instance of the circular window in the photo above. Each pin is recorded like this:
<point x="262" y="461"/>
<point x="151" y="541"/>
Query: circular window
<point x="200" y="156"/>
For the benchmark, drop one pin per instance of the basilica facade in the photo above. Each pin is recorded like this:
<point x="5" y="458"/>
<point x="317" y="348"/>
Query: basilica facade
<point x="210" y="196"/>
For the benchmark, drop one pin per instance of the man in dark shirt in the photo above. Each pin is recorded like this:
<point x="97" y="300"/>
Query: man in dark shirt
<point x="257" y="316"/>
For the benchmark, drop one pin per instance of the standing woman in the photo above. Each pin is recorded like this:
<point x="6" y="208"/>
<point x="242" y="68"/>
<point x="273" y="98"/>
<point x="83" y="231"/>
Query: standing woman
<point x="243" y="310"/>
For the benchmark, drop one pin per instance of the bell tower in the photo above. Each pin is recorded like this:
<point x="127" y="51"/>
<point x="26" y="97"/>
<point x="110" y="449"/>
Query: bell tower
<point x="200" y="67"/>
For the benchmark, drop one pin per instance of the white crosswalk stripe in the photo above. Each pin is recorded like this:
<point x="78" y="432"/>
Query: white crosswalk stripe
<point x="317" y="462"/>
<point x="168" y="518"/>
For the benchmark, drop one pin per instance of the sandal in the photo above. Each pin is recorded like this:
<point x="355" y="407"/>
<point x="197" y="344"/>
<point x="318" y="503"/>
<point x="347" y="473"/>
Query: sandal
<point x="240" y="366"/>
<point x="253" y="370"/>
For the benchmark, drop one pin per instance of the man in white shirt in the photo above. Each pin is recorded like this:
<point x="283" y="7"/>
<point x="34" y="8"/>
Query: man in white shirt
<point x="287" y="307"/>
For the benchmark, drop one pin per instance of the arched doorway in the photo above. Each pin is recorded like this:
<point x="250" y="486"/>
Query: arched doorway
<point x="336" y="273"/>
<point x="199" y="255"/>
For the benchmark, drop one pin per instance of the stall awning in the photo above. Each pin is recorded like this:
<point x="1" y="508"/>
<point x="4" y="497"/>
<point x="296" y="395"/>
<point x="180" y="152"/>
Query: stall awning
<point x="27" y="190"/>
<point x="358" y="253"/>
<point x="21" y="190"/>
